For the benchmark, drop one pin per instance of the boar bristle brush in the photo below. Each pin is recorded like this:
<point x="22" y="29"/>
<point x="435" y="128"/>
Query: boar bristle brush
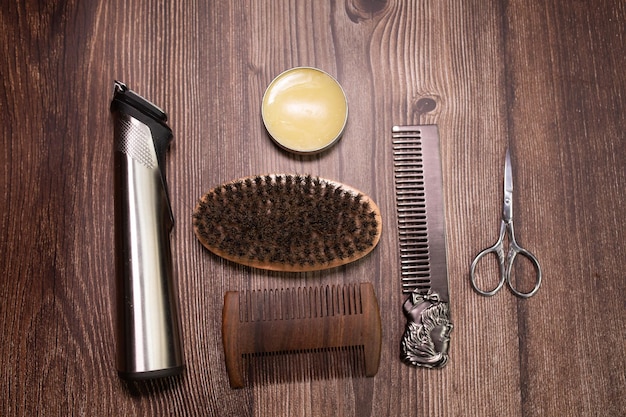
<point x="285" y="222"/>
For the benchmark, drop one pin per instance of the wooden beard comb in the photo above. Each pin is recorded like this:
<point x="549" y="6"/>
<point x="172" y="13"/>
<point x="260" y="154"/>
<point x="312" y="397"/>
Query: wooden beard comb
<point x="287" y="222"/>
<point x="286" y="334"/>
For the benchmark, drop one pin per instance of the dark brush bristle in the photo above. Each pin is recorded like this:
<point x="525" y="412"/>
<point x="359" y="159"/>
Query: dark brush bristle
<point x="295" y="220"/>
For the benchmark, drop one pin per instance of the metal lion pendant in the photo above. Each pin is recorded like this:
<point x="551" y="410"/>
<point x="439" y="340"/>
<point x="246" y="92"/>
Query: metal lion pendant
<point x="427" y="334"/>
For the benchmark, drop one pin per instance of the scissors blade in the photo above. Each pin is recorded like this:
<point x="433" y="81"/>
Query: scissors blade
<point x="507" y="208"/>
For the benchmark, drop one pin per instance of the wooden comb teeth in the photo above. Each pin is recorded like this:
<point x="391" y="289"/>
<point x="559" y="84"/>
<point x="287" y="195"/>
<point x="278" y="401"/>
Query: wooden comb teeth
<point x="340" y="322"/>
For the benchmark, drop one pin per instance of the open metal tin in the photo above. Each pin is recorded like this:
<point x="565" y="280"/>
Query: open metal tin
<point x="305" y="110"/>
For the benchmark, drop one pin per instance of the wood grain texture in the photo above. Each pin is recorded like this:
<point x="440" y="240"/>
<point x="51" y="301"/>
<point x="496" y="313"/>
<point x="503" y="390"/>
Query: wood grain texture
<point x="545" y="78"/>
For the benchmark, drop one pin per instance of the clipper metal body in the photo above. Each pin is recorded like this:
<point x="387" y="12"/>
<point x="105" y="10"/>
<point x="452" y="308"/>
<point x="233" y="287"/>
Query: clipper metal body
<point x="149" y="340"/>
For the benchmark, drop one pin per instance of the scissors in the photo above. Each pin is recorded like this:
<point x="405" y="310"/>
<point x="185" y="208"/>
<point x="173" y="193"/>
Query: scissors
<point x="506" y="228"/>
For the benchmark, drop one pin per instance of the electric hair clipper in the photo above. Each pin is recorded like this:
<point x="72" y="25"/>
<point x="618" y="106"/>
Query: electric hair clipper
<point x="149" y="338"/>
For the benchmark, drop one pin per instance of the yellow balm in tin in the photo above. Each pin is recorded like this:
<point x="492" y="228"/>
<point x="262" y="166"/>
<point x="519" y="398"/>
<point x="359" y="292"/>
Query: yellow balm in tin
<point x="304" y="110"/>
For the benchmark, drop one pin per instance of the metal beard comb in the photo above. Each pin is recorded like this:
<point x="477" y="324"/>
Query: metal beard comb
<point x="301" y="333"/>
<point x="421" y="227"/>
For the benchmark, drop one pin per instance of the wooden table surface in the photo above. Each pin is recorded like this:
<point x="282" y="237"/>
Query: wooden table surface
<point x="545" y="77"/>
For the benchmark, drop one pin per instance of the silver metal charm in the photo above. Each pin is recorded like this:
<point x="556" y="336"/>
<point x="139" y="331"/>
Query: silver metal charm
<point x="427" y="334"/>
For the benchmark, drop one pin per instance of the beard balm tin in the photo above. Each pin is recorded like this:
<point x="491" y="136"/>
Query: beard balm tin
<point x="304" y="110"/>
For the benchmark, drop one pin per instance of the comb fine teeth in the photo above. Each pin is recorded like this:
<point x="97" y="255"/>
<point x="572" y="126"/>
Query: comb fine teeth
<point x="304" y="365"/>
<point x="304" y="323"/>
<point x="287" y="222"/>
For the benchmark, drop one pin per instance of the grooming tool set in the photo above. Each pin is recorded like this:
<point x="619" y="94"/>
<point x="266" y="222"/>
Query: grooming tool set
<point x="289" y="223"/>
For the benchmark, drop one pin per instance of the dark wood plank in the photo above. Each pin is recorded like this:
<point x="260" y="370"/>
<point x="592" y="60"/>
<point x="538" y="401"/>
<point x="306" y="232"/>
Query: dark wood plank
<point x="544" y="78"/>
<point x="569" y="145"/>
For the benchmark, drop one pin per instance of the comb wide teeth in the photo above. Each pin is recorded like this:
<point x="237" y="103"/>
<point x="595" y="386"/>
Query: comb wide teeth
<point x="411" y="209"/>
<point x="300" y="303"/>
<point x="287" y="222"/>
